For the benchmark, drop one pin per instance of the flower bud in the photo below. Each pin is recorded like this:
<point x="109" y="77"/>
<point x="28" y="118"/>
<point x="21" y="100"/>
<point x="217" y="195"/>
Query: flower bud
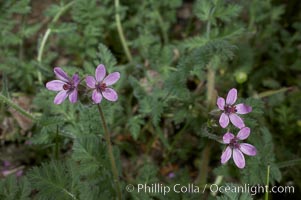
<point x="241" y="77"/>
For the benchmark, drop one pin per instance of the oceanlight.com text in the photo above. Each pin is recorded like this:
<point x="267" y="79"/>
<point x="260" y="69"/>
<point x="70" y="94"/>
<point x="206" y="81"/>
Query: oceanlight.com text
<point x="159" y="188"/>
<point x="252" y="189"/>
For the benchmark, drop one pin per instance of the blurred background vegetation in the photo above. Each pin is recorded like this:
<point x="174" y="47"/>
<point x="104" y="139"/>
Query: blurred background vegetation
<point x="253" y="45"/>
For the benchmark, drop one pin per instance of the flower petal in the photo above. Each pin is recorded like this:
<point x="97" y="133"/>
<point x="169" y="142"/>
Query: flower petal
<point x="243" y="133"/>
<point x="236" y="121"/>
<point x="238" y="158"/>
<point x="248" y="149"/>
<point x="226" y="155"/>
<point x="100" y="72"/>
<point x="231" y="97"/>
<point x="112" y="78"/>
<point x="228" y="137"/>
<point x="90" y="81"/>
<point x="61" y="74"/>
<point x="110" y="94"/>
<point x="75" y="79"/>
<point x="73" y="96"/>
<point x="60" y="97"/>
<point x="55" y="85"/>
<point x="243" y="108"/>
<point x="224" y="120"/>
<point x="220" y="103"/>
<point x="96" y="96"/>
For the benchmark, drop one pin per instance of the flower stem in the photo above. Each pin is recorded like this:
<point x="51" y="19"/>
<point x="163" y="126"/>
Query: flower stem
<point x="47" y="33"/>
<point x="40" y="51"/>
<point x="57" y="149"/>
<point x="16" y="107"/>
<point x="210" y="101"/>
<point x="266" y="196"/>
<point x="120" y="32"/>
<point x="110" y="151"/>
<point x="211" y="71"/>
<point x="210" y="86"/>
<point x="42" y="46"/>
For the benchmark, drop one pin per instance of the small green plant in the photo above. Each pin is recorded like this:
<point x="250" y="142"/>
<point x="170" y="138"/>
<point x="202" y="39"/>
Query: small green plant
<point x="136" y="110"/>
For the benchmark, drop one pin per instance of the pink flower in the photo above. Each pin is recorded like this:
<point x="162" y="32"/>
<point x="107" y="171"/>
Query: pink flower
<point x="231" y="111"/>
<point x="19" y="173"/>
<point x="6" y="163"/>
<point x="171" y="175"/>
<point x="66" y="86"/>
<point x="236" y="148"/>
<point x="100" y="84"/>
<point x="6" y="172"/>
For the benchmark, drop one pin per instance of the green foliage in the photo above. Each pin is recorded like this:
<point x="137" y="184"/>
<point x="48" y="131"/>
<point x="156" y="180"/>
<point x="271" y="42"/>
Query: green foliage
<point x="53" y="180"/>
<point x="150" y="27"/>
<point x="13" y="189"/>
<point x="90" y="30"/>
<point x="255" y="173"/>
<point x="105" y="56"/>
<point x="195" y="42"/>
<point x="135" y="125"/>
<point x="90" y="152"/>
<point x="147" y="174"/>
<point x="162" y="121"/>
<point x="12" y="44"/>
<point x="212" y="11"/>
<point x="92" y="122"/>
<point x="49" y="127"/>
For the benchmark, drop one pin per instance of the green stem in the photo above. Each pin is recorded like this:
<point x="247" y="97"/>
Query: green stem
<point x="41" y="49"/>
<point x="204" y="165"/>
<point x="162" y="27"/>
<point x="110" y="152"/>
<point x="16" y="107"/>
<point x="62" y="10"/>
<point x="271" y="92"/>
<point x="210" y="86"/>
<point x="57" y="143"/>
<point x="252" y="17"/>
<point x="210" y="100"/>
<point x="266" y="197"/>
<point x="47" y="33"/>
<point x="217" y="181"/>
<point x="208" y="26"/>
<point x="211" y="71"/>
<point x="70" y="194"/>
<point x="120" y="32"/>
<point x="289" y="163"/>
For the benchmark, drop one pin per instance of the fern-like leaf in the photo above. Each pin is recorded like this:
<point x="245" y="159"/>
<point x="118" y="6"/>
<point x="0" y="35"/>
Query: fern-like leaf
<point x="11" y="189"/>
<point x="106" y="57"/>
<point x="90" y="152"/>
<point x="53" y="181"/>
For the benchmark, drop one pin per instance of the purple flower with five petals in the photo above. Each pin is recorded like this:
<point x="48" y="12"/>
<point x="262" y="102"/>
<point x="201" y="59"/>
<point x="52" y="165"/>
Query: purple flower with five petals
<point x="236" y="148"/>
<point x="100" y="84"/>
<point x="231" y="110"/>
<point x="66" y="86"/>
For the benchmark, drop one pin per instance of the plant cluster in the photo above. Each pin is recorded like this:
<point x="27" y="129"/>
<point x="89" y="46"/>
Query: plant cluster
<point x="86" y="136"/>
